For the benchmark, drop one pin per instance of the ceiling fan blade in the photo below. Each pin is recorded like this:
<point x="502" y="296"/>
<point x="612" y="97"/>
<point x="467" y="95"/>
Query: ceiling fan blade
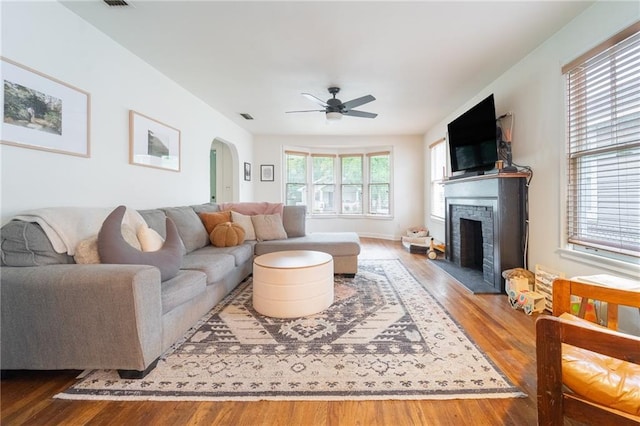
<point x="356" y="113"/>
<point x="306" y="110"/>
<point x="316" y="100"/>
<point x="357" y="102"/>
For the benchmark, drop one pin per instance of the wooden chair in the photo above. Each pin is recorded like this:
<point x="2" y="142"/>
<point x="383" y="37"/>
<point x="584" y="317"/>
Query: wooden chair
<point x="556" y="401"/>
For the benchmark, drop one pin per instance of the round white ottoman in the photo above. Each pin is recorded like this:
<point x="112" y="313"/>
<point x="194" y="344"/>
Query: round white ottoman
<point x="294" y="283"/>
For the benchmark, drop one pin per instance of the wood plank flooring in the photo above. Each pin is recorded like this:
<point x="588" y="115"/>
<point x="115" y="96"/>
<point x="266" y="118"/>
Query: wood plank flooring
<point x="505" y="335"/>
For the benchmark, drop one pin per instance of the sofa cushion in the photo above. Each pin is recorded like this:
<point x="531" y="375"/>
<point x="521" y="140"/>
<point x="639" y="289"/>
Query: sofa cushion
<point x="246" y="223"/>
<point x="251" y="208"/>
<point x="268" y="227"/>
<point x="241" y="253"/>
<point x="334" y="243"/>
<point x="206" y="208"/>
<point x="227" y="234"/>
<point x="211" y="220"/>
<point x="156" y="220"/>
<point x="26" y="244"/>
<point x="294" y="220"/>
<point x="183" y="287"/>
<point x="214" y="266"/>
<point x="114" y="249"/>
<point x="190" y="227"/>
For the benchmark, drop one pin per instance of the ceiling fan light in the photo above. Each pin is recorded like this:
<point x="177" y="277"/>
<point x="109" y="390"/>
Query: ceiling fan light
<point x="333" y="116"/>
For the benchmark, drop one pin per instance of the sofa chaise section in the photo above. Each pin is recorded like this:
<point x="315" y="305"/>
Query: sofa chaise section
<point x="343" y="246"/>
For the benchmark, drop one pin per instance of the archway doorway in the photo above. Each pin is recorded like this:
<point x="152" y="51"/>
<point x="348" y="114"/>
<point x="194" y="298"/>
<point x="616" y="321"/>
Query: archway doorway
<point x="223" y="167"/>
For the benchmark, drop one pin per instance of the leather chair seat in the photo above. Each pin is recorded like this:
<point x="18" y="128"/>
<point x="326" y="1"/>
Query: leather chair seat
<point x="600" y="378"/>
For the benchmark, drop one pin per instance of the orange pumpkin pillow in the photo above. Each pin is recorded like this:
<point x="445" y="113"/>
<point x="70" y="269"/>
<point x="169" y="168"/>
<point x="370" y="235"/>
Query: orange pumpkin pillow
<point x="227" y="234"/>
<point x="210" y="220"/>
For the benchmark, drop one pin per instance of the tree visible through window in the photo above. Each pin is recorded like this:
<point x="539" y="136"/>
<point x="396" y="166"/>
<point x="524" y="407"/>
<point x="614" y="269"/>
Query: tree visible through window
<point x="296" y="184"/>
<point x="323" y="171"/>
<point x="603" y="107"/>
<point x="352" y="182"/>
<point x="379" y="183"/>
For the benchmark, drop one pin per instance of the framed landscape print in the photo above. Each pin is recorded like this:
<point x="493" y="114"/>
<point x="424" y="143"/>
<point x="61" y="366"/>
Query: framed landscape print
<point x="152" y="143"/>
<point x="41" y="112"/>
<point x="266" y="172"/>
<point x="247" y="171"/>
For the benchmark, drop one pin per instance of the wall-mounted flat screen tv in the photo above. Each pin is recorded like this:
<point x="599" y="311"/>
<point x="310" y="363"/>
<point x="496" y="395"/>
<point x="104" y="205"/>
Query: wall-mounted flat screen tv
<point x="473" y="146"/>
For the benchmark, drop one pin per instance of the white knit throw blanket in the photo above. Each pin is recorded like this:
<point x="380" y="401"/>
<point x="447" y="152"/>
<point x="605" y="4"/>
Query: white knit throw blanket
<point x="67" y="226"/>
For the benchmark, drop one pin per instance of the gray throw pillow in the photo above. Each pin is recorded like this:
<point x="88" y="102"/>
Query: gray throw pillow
<point x="294" y="220"/>
<point x="190" y="227"/>
<point x="114" y="249"/>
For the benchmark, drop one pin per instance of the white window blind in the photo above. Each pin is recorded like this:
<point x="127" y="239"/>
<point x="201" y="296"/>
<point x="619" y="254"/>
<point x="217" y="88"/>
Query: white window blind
<point x="603" y="106"/>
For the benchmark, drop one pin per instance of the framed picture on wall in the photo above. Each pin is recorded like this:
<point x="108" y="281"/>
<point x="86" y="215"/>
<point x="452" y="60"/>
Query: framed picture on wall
<point x="247" y="171"/>
<point x="266" y="172"/>
<point x="41" y="112"/>
<point x="152" y="143"/>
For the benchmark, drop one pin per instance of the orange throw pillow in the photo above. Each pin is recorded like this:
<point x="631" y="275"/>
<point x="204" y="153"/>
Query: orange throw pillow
<point x="211" y="220"/>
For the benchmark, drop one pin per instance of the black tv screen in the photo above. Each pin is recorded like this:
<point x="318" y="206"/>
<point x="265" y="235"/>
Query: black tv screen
<point x="472" y="139"/>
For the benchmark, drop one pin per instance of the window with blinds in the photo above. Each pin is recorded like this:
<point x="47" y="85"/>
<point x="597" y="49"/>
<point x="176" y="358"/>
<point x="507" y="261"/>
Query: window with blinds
<point x="603" y="107"/>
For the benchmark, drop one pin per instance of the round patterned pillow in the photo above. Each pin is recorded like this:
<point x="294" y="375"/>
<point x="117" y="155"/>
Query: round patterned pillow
<point x="227" y="234"/>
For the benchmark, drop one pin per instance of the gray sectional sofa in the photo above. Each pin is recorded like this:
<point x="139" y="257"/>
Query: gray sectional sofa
<point x="56" y="314"/>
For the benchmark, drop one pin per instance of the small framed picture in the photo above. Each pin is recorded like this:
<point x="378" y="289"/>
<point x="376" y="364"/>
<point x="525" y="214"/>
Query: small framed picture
<point x="266" y="172"/>
<point x="41" y="112"/>
<point x="152" y="143"/>
<point x="247" y="171"/>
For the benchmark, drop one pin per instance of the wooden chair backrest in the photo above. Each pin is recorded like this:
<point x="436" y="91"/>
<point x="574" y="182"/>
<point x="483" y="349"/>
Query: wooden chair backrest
<point x="563" y="289"/>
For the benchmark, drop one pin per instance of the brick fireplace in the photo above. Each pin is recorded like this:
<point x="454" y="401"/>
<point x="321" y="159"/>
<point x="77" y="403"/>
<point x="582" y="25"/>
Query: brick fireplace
<point x="485" y="225"/>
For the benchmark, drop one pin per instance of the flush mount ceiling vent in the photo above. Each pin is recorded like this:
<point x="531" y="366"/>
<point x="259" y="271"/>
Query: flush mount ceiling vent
<point x="116" y="3"/>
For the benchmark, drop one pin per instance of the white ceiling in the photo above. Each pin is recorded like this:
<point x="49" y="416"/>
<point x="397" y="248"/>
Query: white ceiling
<point x="421" y="60"/>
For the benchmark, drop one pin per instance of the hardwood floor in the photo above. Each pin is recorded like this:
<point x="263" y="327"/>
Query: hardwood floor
<point x="505" y="335"/>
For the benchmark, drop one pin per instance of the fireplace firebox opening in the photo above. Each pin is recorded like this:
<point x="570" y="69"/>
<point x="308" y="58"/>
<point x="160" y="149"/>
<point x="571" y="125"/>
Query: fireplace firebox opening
<point x="471" y="244"/>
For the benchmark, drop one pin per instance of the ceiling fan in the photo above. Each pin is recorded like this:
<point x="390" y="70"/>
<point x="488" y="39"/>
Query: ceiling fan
<point x="335" y="108"/>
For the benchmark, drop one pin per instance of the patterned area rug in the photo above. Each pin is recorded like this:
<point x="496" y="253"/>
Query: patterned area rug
<point x="385" y="337"/>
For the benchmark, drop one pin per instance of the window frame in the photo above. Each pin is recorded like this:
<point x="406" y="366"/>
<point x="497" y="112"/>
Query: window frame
<point x="358" y="203"/>
<point x="438" y="174"/>
<point x="302" y="185"/>
<point x="365" y="153"/>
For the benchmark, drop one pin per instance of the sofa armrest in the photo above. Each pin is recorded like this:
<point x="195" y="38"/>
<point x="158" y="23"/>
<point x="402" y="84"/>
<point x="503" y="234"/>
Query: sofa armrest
<point x="80" y="316"/>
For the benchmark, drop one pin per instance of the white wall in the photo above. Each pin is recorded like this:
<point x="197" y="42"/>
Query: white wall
<point x="47" y="37"/>
<point x="534" y="91"/>
<point x="407" y="178"/>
